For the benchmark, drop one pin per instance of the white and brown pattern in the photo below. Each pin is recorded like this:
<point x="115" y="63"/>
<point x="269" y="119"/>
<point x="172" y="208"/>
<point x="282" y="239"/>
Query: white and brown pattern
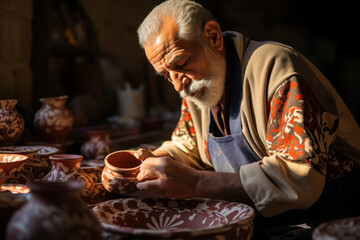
<point x="11" y="123"/>
<point x="53" y="120"/>
<point x="158" y="218"/>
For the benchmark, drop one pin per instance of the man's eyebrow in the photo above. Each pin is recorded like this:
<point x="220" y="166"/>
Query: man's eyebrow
<point x="176" y="59"/>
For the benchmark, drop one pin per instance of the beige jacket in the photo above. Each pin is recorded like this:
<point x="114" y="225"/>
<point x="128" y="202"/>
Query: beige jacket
<point x="274" y="184"/>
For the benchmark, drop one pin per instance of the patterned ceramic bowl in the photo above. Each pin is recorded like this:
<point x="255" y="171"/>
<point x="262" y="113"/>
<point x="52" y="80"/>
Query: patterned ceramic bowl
<point x="39" y="164"/>
<point x="93" y="168"/>
<point x="119" y="174"/>
<point x="342" y="229"/>
<point x="160" y="218"/>
<point x="12" y="166"/>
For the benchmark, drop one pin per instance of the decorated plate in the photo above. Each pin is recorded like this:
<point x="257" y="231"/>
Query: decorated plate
<point x="176" y="218"/>
<point x="342" y="229"/>
<point x="14" y="188"/>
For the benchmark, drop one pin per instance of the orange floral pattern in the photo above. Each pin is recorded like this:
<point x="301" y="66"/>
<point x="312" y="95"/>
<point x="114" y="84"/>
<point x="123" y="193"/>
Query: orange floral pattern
<point x="185" y="127"/>
<point x="301" y="131"/>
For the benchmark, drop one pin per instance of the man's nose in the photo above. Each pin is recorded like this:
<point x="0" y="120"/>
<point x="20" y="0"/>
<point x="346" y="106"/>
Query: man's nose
<point x="179" y="80"/>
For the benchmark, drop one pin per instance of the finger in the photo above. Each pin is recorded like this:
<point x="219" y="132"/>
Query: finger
<point x="142" y="154"/>
<point x="150" y="185"/>
<point x="147" y="173"/>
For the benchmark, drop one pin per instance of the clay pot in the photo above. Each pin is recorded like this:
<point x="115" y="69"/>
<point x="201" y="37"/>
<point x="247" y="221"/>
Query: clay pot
<point x="66" y="167"/>
<point x="12" y="166"/>
<point x="54" y="211"/>
<point x="119" y="174"/>
<point x="53" y="121"/>
<point x="11" y="123"/>
<point x="98" y="146"/>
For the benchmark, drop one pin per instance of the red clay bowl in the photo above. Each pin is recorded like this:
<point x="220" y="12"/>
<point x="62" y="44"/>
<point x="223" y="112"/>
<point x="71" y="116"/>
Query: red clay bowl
<point x="119" y="173"/>
<point x="8" y="162"/>
<point x="176" y="218"/>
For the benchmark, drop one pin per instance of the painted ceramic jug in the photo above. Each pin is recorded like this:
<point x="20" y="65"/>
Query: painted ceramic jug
<point x="98" y="146"/>
<point x="53" y="121"/>
<point x="66" y="167"/>
<point x="55" y="211"/>
<point x="11" y="123"/>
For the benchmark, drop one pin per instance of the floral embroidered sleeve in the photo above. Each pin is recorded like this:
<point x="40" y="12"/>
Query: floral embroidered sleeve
<point x="301" y="132"/>
<point x="183" y="146"/>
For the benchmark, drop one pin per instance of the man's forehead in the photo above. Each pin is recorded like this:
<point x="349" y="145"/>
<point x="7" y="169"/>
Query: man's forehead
<point x="164" y="40"/>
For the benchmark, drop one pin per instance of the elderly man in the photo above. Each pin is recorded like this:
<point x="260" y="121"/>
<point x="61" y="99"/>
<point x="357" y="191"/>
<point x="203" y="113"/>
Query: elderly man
<point x="258" y="113"/>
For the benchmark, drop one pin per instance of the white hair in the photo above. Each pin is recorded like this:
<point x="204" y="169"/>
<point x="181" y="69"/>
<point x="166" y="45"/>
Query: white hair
<point x="189" y="16"/>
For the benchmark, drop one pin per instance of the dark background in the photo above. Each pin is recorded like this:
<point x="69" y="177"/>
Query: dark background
<point x="327" y="33"/>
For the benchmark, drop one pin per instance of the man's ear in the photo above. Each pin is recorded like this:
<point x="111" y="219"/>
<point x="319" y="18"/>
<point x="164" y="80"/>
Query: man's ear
<point x="213" y="36"/>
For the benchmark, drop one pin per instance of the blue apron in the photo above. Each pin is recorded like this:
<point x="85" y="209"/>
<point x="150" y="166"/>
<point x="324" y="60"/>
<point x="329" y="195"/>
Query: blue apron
<point x="228" y="153"/>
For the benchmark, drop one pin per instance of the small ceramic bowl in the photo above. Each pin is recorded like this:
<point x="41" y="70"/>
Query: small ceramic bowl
<point x="39" y="164"/>
<point x="119" y="174"/>
<point x="12" y="166"/>
<point x="93" y="168"/>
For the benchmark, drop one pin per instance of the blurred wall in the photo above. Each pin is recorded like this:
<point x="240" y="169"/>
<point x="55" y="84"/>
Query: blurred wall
<point x="15" y="53"/>
<point x="325" y="32"/>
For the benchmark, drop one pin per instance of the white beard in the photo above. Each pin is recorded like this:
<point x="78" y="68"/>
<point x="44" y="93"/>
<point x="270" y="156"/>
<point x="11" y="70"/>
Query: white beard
<point x="211" y="87"/>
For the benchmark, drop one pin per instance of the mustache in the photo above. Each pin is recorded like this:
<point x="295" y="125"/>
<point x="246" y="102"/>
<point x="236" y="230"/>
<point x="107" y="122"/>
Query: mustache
<point x="194" y="86"/>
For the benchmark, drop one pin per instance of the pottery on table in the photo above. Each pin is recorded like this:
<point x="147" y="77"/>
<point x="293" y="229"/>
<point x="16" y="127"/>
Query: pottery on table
<point x="93" y="168"/>
<point x="9" y="203"/>
<point x="55" y="211"/>
<point x="341" y="229"/>
<point x="120" y="171"/>
<point x="13" y="166"/>
<point x="53" y="121"/>
<point x="66" y="167"/>
<point x="161" y="218"/>
<point x="11" y="122"/>
<point x="98" y="146"/>
<point x="38" y="164"/>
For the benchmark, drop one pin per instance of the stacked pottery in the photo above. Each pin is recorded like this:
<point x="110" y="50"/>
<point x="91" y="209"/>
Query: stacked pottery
<point x="98" y="146"/>
<point x="53" y="121"/>
<point x="11" y="123"/>
<point x="9" y="203"/>
<point x="32" y="167"/>
<point x="55" y="211"/>
<point x="66" y="167"/>
<point x="12" y="166"/>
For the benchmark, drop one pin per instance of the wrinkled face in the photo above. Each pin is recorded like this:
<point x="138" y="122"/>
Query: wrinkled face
<point x="196" y="72"/>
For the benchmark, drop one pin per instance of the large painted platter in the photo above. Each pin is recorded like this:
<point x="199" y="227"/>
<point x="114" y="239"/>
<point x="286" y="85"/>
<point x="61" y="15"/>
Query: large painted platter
<point x="176" y="218"/>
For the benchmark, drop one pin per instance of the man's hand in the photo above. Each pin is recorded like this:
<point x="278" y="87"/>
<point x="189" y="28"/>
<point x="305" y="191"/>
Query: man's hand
<point x="165" y="176"/>
<point x="162" y="175"/>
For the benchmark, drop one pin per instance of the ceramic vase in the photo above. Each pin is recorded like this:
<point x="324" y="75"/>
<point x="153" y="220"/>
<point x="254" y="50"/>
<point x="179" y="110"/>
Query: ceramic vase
<point x="53" y="121"/>
<point x="120" y="171"/>
<point x="11" y="123"/>
<point x="98" y="146"/>
<point x="13" y="166"/>
<point x="66" y="167"/>
<point x="55" y="211"/>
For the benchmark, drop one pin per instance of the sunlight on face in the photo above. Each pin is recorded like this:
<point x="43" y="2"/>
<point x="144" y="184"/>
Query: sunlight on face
<point x="208" y="91"/>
